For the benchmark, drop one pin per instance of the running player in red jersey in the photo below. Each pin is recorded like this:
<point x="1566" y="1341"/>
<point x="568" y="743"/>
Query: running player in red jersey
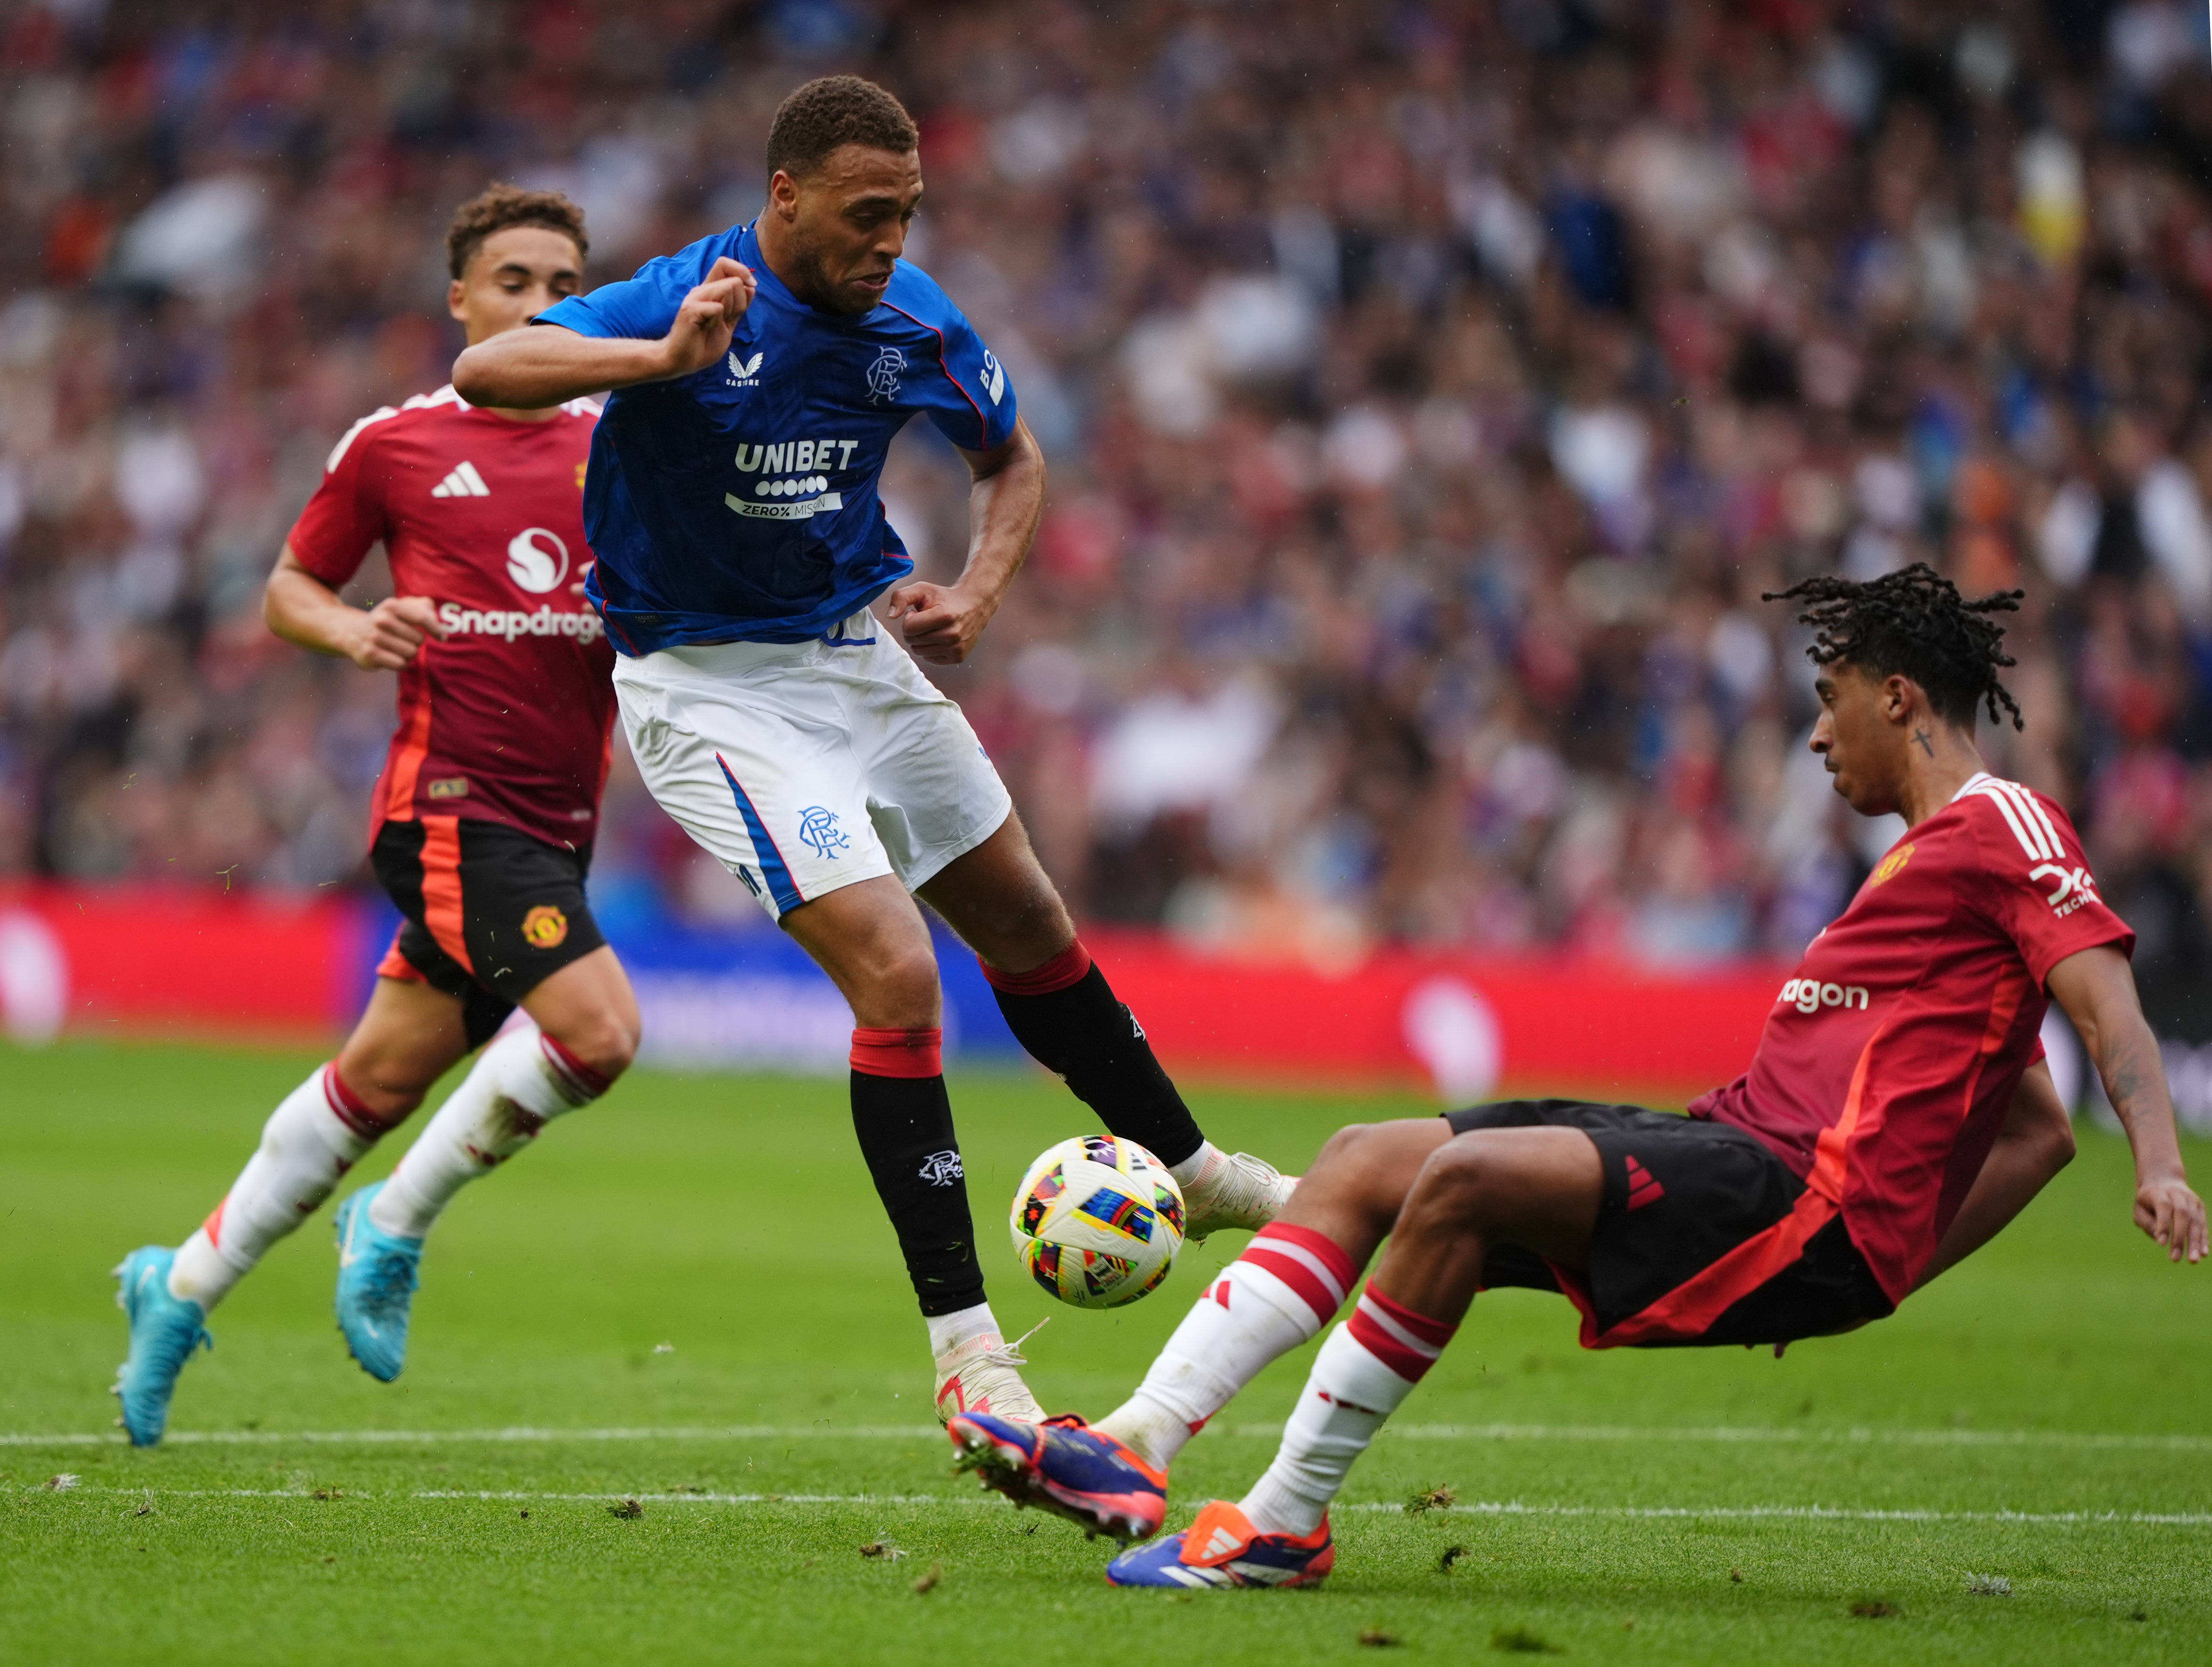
<point x="1896" y="1115"/>
<point x="481" y="828"/>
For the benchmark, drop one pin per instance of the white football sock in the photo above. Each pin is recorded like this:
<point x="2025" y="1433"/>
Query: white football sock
<point x="1273" y="1298"/>
<point x="311" y="1139"/>
<point x="948" y="1331"/>
<point x="1365" y="1370"/>
<point x="1199" y="1166"/>
<point x="521" y="1083"/>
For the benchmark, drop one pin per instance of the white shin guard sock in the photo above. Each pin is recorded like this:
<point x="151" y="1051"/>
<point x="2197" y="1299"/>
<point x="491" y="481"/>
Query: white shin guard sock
<point x="1247" y="1320"/>
<point x="521" y="1083"/>
<point x="309" y="1141"/>
<point x="1348" y="1396"/>
<point x="1365" y="1370"/>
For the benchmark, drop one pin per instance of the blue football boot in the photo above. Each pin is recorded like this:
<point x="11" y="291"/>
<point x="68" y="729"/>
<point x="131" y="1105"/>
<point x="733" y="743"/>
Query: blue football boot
<point x="164" y="1332"/>
<point x="1066" y="1467"/>
<point x="1222" y="1548"/>
<point x="376" y="1288"/>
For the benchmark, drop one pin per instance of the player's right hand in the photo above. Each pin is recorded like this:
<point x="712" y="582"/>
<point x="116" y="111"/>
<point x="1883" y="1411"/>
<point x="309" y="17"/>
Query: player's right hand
<point x="2173" y="1215"/>
<point x="393" y="631"/>
<point x="708" y="318"/>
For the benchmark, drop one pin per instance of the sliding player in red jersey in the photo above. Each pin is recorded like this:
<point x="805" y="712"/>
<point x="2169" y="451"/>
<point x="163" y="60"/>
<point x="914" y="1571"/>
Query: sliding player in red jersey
<point x="1897" y="1114"/>
<point x="481" y="830"/>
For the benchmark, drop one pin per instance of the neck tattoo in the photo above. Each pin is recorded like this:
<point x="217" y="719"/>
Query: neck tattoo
<point x="1920" y="736"/>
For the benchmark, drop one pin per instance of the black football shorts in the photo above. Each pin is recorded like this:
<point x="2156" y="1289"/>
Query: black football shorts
<point x="491" y="913"/>
<point x="1704" y="1236"/>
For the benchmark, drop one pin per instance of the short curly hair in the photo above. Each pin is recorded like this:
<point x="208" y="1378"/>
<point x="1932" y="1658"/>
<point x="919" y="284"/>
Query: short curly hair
<point x="496" y="207"/>
<point x="1913" y="623"/>
<point x="835" y="110"/>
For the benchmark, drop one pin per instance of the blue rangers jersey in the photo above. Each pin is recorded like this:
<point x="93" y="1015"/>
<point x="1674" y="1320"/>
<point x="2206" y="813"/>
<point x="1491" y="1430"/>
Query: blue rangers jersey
<point x="738" y="504"/>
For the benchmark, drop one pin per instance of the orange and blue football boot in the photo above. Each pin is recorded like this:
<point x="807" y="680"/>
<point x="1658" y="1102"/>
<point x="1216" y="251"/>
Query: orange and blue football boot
<point x="1222" y="1548"/>
<point x="1066" y="1467"/>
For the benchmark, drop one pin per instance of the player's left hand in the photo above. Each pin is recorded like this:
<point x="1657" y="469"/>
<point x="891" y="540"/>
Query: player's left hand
<point x="942" y="623"/>
<point x="2173" y="1215"/>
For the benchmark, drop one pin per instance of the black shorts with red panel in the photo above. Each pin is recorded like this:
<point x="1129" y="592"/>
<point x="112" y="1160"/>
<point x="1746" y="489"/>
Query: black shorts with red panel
<point x="490" y="913"/>
<point x="1704" y="1236"/>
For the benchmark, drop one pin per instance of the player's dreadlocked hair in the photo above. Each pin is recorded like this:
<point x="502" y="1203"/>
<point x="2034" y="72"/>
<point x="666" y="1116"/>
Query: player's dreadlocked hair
<point x="495" y="207"/>
<point x="1913" y="624"/>
<point x="834" y="111"/>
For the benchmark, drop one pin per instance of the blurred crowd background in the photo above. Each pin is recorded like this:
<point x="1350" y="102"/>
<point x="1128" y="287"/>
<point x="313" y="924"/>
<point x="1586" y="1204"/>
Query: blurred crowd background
<point x="1430" y="391"/>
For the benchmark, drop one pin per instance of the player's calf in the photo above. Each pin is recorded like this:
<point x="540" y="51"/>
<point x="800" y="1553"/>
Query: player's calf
<point x="1066" y="1015"/>
<point x="524" y="1081"/>
<point x="1273" y="1298"/>
<point x="315" y="1134"/>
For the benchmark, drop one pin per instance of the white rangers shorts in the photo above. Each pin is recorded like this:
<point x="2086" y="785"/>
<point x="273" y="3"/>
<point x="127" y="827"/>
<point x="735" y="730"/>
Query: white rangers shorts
<point x="804" y="767"/>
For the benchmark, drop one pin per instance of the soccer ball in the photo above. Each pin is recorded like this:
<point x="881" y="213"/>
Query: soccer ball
<point x="1098" y="1222"/>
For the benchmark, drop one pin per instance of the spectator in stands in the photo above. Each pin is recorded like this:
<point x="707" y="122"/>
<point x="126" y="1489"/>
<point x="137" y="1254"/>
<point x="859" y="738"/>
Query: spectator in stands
<point x="1432" y="389"/>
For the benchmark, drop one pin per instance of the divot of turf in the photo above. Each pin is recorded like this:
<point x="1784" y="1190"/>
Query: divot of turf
<point x="1520" y="1641"/>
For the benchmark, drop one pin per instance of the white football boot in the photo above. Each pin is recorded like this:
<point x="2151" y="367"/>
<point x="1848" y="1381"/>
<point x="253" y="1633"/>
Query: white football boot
<point x="1235" y="1189"/>
<point x="978" y="1375"/>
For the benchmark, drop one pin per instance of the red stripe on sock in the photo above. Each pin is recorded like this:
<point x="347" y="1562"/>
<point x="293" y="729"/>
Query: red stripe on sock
<point x="1435" y="1333"/>
<point x="1301" y="1278"/>
<point x="884" y="1053"/>
<point x="587" y="1082"/>
<point x="1333" y="1256"/>
<point x="1406" y="1362"/>
<point x="1071" y="966"/>
<point x="213" y="1226"/>
<point x="348" y="1107"/>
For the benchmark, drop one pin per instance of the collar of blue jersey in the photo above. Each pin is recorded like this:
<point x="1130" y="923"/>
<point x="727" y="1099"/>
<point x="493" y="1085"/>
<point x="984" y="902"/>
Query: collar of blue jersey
<point x="749" y="252"/>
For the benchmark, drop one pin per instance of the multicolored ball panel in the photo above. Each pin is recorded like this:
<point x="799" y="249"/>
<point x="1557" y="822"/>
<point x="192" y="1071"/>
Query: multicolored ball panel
<point x="1098" y="1222"/>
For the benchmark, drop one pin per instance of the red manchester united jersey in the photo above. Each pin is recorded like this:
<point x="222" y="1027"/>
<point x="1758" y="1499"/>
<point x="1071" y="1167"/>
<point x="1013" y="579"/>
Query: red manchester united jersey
<point x="1890" y="1059"/>
<point x="510" y="717"/>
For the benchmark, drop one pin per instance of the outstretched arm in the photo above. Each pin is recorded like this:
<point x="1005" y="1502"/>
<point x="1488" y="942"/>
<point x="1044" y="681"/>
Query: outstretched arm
<point x="943" y="622"/>
<point x="529" y="369"/>
<point x="2036" y="1142"/>
<point x="2099" y="994"/>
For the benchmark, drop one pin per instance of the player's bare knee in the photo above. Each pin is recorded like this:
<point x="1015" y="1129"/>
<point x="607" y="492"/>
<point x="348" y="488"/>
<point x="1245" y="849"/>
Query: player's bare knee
<point x="389" y="1089"/>
<point x="2059" y="1142"/>
<point x="388" y="1104"/>
<point x="900" y="992"/>
<point x="1344" y="1152"/>
<point x="1453" y="1189"/>
<point x="606" y="1042"/>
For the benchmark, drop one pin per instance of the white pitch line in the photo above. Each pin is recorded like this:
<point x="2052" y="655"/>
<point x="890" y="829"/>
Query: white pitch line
<point x="1724" y="1434"/>
<point x="511" y="1434"/>
<point x="1762" y="1435"/>
<point x="1477" y="1508"/>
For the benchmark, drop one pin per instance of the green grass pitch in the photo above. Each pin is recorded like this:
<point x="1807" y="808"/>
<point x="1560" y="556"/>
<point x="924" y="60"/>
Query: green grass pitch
<point x="686" y="1297"/>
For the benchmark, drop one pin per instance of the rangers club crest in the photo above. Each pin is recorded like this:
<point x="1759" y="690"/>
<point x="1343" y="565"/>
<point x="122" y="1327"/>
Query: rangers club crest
<point x="818" y="826"/>
<point x="941" y="1169"/>
<point x="883" y="376"/>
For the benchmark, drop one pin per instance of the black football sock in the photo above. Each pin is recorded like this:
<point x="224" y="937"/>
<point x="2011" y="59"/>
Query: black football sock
<point x="1066" y="1015"/>
<point x="904" y="1120"/>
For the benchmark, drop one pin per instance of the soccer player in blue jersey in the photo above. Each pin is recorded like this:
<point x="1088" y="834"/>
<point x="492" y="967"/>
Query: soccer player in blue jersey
<point x="760" y="375"/>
